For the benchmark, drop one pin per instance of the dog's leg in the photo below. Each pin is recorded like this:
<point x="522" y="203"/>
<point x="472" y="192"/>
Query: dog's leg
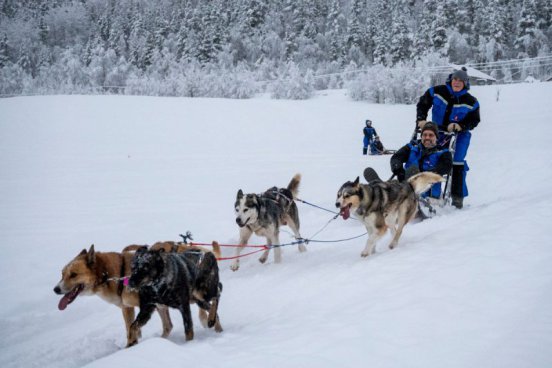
<point x="165" y="319"/>
<point x="213" y="316"/>
<point x="295" y="228"/>
<point x="376" y="227"/>
<point x="187" y="318"/>
<point x="128" y="316"/>
<point x="245" y="234"/>
<point x="203" y="317"/>
<point x="143" y="317"/>
<point x="403" y="218"/>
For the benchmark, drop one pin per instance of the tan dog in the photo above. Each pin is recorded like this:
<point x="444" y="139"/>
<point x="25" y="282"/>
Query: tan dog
<point x="101" y="274"/>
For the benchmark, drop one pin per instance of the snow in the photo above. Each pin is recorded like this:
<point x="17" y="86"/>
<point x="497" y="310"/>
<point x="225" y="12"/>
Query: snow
<point x="471" y="288"/>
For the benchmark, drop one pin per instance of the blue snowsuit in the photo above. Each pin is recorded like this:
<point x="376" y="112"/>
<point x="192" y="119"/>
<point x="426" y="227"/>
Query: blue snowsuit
<point x="427" y="162"/>
<point x="452" y="107"/>
<point x="434" y="159"/>
<point x="369" y="134"/>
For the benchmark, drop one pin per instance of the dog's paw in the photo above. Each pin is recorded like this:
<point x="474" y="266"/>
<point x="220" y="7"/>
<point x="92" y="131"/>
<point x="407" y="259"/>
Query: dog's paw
<point x="189" y="335"/>
<point x="302" y="248"/>
<point x="364" y="254"/>
<point x="235" y="266"/>
<point x="263" y="259"/>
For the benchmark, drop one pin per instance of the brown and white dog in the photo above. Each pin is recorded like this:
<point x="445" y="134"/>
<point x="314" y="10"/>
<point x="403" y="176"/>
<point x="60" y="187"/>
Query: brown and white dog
<point x="383" y="205"/>
<point x="102" y="274"/>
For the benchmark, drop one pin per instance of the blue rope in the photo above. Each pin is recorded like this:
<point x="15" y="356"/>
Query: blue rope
<point x="313" y="205"/>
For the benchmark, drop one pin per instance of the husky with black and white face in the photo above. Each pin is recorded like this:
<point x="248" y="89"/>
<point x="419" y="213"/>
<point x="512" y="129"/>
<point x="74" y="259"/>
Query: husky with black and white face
<point x="263" y="214"/>
<point x="383" y="205"/>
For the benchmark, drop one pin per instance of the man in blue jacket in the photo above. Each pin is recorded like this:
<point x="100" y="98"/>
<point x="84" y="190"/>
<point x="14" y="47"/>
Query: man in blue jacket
<point x="455" y="110"/>
<point x="426" y="155"/>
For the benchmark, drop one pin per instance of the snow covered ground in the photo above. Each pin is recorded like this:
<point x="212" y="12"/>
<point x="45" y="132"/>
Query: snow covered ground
<point x="469" y="289"/>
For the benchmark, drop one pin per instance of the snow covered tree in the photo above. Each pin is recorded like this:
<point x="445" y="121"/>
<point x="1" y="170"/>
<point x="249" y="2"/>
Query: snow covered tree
<point x="422" y="40"/>
<point x="335" y="32"/>
<point x="399" y="49"/>
<point x="526" y="40"/>
<point x="381" y="36"/>
<point x="4" y="51"/>
<point x="439" y="38"/>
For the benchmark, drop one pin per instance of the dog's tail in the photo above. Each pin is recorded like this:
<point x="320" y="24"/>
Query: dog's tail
<point x="293" y="185"/>
<point x="216" y="248"/>
<point x="424" y="180"/>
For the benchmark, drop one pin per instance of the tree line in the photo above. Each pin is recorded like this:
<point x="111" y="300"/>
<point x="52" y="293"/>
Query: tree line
<point x="237" y="48"/>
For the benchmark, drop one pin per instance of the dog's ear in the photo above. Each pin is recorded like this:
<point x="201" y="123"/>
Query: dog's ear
<point x="91" y="256"/>
<point x="83" y="252"/>
<point x="356" y="182"/>
<point x="240" y="195"/>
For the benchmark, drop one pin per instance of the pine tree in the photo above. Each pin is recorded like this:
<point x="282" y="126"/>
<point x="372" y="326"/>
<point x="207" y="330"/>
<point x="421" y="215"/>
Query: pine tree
<point x="355" y="31"/>
<point x="402" y="39"/>
<point x="439" y="38"/>
<point x="4" y="51"/>
<point x="526" y="42"/>
<point x="381" y="36"/>
<point x="335" y="33"/>
<point x="422" y="41"/>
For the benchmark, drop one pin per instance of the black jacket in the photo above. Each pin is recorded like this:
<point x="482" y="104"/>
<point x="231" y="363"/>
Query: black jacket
<point x="449" y="107"/>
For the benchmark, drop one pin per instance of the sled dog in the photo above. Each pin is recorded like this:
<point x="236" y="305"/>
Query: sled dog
<point x="383" y="205"/>
<point x="175" y="280"/>
<point x="98" y="273"/>
<point x="263" y="214"/>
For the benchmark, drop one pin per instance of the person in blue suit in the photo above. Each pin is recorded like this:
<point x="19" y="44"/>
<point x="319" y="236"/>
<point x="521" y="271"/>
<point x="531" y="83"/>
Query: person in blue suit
<point x="369" y="134"/>
<point x="453" y="109"/>
<point x="426" y="155"/>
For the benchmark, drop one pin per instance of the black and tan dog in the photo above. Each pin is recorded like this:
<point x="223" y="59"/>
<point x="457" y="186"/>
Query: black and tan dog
<point x="263" y="214"/>
<point x="175" y="280"/>
<point x="101" y="274"/>
<point x="383" y="205"/>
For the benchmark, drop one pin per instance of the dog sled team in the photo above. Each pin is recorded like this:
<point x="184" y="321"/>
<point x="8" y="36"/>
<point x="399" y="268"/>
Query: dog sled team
<point x="178" y="274"/>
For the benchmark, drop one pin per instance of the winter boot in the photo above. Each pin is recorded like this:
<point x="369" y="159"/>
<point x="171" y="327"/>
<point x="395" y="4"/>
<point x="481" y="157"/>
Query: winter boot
<point x="458" y="202"/>
<point x="364" y="151"/>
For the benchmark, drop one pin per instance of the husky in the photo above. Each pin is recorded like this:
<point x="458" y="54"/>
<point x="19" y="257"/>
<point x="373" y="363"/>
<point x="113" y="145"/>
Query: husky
<point x="384" y="205"/>
<point x="102" y="274"/>
<point x="175" y="280"/>
<point x="263" y="214"/>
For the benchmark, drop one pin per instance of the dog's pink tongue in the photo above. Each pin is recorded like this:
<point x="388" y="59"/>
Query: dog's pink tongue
<point x="63" y="302"/>
<point x="345" y="213"/>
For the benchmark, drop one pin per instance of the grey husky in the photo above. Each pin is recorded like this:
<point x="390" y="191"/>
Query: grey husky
<point x="263" y="214"/>
<point x="384" y="205"/>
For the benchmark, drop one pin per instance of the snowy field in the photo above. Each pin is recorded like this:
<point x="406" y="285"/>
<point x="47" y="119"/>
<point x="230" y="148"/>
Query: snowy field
<point x="472" y="288"/>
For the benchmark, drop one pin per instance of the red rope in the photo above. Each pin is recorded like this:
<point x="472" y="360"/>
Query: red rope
<point x="263" y="248"/>
<point x="240" y="256"/>
<point x="233" y="245"/>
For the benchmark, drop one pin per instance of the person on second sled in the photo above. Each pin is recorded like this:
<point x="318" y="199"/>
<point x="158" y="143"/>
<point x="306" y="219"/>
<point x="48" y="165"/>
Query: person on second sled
<point x="369" y="134"/>
<point x="455" y="110"/>
<point x="376" y="147"/>
<point x="426" y="155"/>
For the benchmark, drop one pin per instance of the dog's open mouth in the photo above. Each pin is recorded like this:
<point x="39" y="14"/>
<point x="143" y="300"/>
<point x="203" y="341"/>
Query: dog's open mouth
<point x="69" y="297"/>
<point x="345" y="212"/>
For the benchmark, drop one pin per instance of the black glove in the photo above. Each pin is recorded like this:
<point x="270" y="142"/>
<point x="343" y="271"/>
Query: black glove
<point x="398" y="170"/>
